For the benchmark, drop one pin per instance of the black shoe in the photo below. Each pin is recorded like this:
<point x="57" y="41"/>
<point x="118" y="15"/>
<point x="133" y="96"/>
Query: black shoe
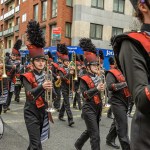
<point x="75" y="107"/>
<point x="77" y="147"/>
<point x="8" y="108"/>
<point x="112" y="144"/>
<point x="70" y="123"/>
<point x="58" y="109"/>
<point x="61" y="119"/>
<point x="5" y="110"/>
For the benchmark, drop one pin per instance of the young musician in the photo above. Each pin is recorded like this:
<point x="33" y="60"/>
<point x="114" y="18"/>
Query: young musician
<point x="66" y="74"/>
<point x="91" y="88"/>
<point x="35" y="114"/>
<point x="132" y="55"/>
<point x="12" y="67"/>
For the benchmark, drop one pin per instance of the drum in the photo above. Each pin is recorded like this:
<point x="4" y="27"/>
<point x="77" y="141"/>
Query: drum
<point x="1" y="127"/>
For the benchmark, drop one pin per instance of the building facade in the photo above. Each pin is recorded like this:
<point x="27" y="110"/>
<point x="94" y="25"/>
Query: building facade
<point x="100" y="19"/>
<point x="15" y="14"/>
<point x="95" y="19"/>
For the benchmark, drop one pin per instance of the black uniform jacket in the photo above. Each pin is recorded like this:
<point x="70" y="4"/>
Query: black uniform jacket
<point x="136" y="71"/>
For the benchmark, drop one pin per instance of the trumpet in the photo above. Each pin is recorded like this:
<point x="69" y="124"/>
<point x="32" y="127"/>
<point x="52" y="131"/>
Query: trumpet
<point x="48" y="95"/>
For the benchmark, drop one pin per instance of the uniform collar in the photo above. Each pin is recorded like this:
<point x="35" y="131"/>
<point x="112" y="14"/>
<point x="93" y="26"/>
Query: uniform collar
<point x="37" y="73"/>
<point x="145" y="27"/>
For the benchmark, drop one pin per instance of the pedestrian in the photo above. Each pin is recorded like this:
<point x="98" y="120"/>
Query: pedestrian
<point x="35" y="114"/>
<point x="132" y="54"/>
<point x="91" y="88"/>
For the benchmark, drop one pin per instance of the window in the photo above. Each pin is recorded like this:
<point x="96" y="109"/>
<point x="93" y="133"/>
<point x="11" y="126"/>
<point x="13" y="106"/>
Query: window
<point x="96" y="31"/>
<point x="44" y="31"/>
<point x="18" y="2"/>
<point x="54" y="8"/>
<point x="68" y="30"/>
<point x="69" y="2"/>
<point x="24" y="17"/>
<point x="17" y="20"/>
<point x="10" y="8"/>
<point x="2" y="11"/>
<point x="23" y="0"/>
<point x="119" y="6"/>
<point x="44" y="10"/>
<point x="116" y="31"/>
<point x="98" y="3"/>
<point x="9" y="44"/>
<point x="35" y="13"/>
<point x="9" y="25"/>
<point x="52" y="42"/>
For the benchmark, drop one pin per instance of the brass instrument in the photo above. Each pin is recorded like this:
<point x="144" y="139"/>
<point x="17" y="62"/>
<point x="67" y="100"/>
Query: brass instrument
<point x="48" y="94"/>
<point x="72" y="64"/>
<point x="2" y="67"/>
<point x="58" y="83"/>
<point x="3" y="60"/>
<point x="103" y="80"/>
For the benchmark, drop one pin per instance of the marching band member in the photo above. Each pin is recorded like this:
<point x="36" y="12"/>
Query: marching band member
<point x="76" y="84"/>
<point x="35" y="114"/>
<point x="91" y="88"/>
<point x="18" y="82"/>
<point x="132" y="55"/>
<point x="119" y="100"/>
<point x="12" y="66"/>
<point x="66" y="74"/>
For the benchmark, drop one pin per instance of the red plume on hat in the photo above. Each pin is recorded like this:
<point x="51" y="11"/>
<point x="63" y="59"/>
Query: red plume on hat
<point x="36" y="39"/>
<point x="89" y="51"/>
<point x="17" y="46"/>
<point x="62" y="52"/>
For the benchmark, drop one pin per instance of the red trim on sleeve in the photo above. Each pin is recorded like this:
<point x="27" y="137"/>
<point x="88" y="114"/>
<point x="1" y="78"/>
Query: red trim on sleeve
<point x="147" y="93"/>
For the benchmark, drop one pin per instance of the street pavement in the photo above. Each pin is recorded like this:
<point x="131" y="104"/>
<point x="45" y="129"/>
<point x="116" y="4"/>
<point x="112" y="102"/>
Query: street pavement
<point x="62" y="137"/>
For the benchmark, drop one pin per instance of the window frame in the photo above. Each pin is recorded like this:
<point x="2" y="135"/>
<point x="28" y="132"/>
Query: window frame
<point x="44" y="13"/>
<point x="71" y="3"/>
<point x="116" y="28"/>
<point x="35" y="17"/>
<point x="95" y="31"/>
<point x="70" y="25"/>
<point x="97" y="5"/>
<point x="54" y="9"/>
<point x="117" y="11"/>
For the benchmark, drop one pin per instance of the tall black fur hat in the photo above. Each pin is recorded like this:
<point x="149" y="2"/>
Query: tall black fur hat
<point x="111" y="61"/>
<point x="50" y="56"/>
<point x="16" y="47"/>
<point x="36" y="39"/>
<point x="89" y="51"/>
<point x="62" y="51"/>
<point x="101" y="55"/>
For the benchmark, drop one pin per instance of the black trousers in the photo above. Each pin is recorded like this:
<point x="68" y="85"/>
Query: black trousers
<point x="17" y="91"/>
<point x="91" y="117"/>
<point x="57" y="100"/>
<point x="119" y="125"/>
<point x="77" y="99"/>
<point x="8" y="101"/>
<point x="66" y="106"/>
<point x="1" y="108"/>
<point x="109" y="112"/>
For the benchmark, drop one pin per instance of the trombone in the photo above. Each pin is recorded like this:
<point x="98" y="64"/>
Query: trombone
<point x="49" y="94"/>
<point x="3" y="68"/>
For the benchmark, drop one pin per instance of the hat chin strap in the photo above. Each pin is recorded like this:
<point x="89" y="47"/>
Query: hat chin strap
<point x="36" y="67"/>
<point x="91" y="70"/>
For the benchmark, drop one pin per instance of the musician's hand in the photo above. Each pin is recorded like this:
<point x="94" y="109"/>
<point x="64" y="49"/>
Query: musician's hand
<point x="58" y="77"/>
<point x="14" y="66"/>
<point x="100" y="87"/>
<point x="47" y="85"/>
<point x="72" y="71"/>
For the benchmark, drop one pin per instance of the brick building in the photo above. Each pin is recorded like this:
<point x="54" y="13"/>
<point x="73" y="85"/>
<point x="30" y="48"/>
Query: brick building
<point x="15" y="14"/>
